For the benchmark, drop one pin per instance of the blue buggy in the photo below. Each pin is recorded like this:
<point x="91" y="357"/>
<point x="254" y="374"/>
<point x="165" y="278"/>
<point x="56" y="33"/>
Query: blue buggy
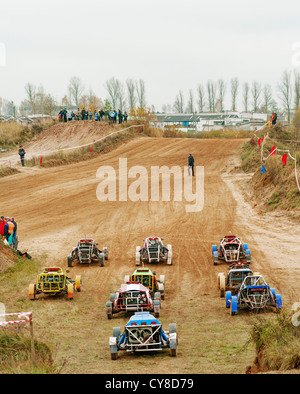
<point x="253" y="294"/>
<point x="143" y="333"/>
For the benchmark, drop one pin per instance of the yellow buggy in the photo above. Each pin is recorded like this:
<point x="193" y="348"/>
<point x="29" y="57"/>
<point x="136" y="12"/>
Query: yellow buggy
<point x="53" y="281"/>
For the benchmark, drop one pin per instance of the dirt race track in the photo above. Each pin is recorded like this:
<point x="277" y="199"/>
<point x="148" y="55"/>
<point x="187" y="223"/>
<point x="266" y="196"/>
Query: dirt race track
<point x="55" y="207"/>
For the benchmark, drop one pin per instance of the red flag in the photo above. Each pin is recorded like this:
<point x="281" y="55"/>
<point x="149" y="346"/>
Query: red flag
<point x="41" y="160"/>
<point x="259" y="141"/>
<point x="273" y="150"/>
<point x="284" y="158"/>
<point x="91" y="149"/>
<point x="138" y="129"/>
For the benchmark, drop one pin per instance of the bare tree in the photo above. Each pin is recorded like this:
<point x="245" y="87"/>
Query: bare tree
<point x="131" y="93"/>
<point x="246" y="89"/>
<point x="297" y="90"/>
<point x="113" y="89"/>
<point x="179" y="103"/>
<point x="234" y="92"/>
<point x="285" y="93"/>
<point x="267" y="98"/>
<point x="141" y="93"/>
<point x="122" y="97"/>
<point x="256" y="92"/>
<point x="190" y="105"/>
<point x="75" y="90"/>
<point x="211" y="91"/>
<point x="40" y="100"/>
<point x="221" y="95"/>
<point x="201" y="98"/>
<point x="30" y="90"/>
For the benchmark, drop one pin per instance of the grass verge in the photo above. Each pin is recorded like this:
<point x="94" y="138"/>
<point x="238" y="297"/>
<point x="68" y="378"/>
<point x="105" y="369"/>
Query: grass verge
<point x="277" y="344"/>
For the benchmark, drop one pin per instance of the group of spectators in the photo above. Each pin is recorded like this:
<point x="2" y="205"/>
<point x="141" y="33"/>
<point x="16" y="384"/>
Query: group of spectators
<point x="111" y="116"/>
<point x="8" y="230"/>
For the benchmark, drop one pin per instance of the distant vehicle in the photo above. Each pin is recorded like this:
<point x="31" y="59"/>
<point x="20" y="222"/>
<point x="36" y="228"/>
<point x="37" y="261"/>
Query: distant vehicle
<point x="143" y="332"/>
<point x="132" y="297"/>
<point x="148" y="278"/>
<point x="87" y="252"/>
<point x="231" y="250"/>
<point x="253" y="294"/>
<point x="233" y="280"/>
<point x="153" y="251"/>
<point x="53" y="281"/>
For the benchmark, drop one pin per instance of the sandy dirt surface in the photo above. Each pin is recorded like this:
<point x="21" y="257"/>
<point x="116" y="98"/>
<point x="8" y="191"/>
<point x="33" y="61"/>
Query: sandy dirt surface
<point x="57" y="137"/>
<point x="55" y="207"/>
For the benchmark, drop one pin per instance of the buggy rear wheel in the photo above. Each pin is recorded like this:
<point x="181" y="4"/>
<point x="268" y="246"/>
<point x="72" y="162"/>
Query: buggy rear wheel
<point x="78" y="283"/>
<point x="31" y="292"/>
<point x="70" y="291"/>
<point x="70" y="260"/>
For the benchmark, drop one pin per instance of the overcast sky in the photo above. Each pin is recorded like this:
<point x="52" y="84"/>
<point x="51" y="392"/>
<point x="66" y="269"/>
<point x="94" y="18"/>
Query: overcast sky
<point x="171" y="44"/>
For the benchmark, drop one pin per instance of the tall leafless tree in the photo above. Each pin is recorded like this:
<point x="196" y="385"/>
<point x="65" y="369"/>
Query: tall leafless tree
<point x="190" y="104"/>
<point x="131" y="93"/>
<point x="30" y="90"/>
<point x="256" y="92"/>
<point x="211" y="92"/>
<point x="285" y="93"/>
<point x="141" y="93"/>
<point x="112" y="86"/>
<point x="201" y="97"/>
<point x="221" y="93"/>
<point x="179" y="103"/>
<point x="245" y="93"/>
<point x="234" y="92"/>
<point x="267" y="98"/>
<point x="75" y="90"/>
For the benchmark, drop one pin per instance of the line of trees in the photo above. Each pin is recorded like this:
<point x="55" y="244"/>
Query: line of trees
<point x="254" y="97"/>
<point x="132" y="94"/>
<point x="119" y="95"/>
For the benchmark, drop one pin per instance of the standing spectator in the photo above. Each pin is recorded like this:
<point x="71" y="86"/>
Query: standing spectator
<point x="69" y="115"/>
<point x="125" y="116"/>
<point x="65" y="115"/>
<point x="120" y="116"/>
<point x="2" y="224"/>
<point x="191" y="164"/>
<point x="8" y="230"/>
<point x="86" y="116"/>
<point x="274" y="118"/>
<point x="101" y="114"/>
<point x="14" y="232"/>
<point x="90" y="114"/>
<point x="115" y="116"/>
<point x="82" y="113"/>
<point x="22" y="154"/>
<point x="96" y="116"/>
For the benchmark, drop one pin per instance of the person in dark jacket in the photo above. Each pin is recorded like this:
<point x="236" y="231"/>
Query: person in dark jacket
<point x="274" y="118"/>
<point x="22" y="154"/>
<point x="191" y="164"/>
